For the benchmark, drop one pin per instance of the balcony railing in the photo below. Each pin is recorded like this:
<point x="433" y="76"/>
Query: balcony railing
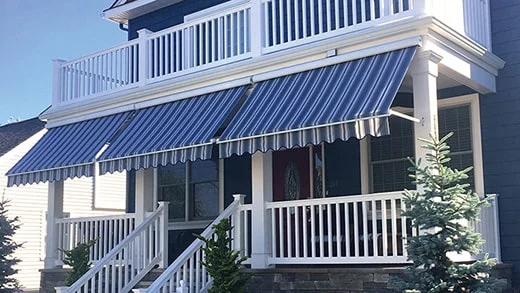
<point x="247" y="29"/>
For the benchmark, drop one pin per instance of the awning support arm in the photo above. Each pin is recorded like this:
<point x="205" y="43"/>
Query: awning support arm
<point x="404" y="116"/>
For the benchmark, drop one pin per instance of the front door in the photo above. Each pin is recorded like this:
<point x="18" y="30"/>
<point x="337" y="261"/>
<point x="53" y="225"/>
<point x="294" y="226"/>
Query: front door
<point x="291" y="174"/>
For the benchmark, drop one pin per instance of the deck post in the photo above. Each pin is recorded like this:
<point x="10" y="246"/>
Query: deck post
<point x="57" y="84"/>
<point x="144" y="186"/>
<point x="257" y="27"/>
<point x="144" y="52"/>
<point x="54" y="211"/>
<point x="163" y="238"/>
<point x="262" y="181"/>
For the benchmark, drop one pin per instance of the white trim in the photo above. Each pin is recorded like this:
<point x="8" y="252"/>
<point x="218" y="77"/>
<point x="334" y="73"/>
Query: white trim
<point x="364" y="156"/>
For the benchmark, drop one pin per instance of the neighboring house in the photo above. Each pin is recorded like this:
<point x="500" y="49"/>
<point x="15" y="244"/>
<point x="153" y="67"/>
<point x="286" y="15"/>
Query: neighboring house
<point x="29" y="202"/>
<point x="309" y="108"/>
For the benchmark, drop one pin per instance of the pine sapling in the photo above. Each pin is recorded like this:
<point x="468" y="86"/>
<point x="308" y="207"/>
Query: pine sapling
<point x="223" y="263"/>
<point x="442" y="208"/>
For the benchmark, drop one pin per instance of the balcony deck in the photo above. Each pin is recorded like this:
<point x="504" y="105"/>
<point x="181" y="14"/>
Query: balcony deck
<point x="244" y="30"/>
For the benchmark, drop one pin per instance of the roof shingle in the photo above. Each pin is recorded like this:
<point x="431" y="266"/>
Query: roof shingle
<point x="13" y="134"/>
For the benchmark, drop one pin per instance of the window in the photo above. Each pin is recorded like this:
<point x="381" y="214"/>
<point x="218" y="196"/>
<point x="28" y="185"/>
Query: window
<point x="192" y="190"/>
<point x="388" y="155"/>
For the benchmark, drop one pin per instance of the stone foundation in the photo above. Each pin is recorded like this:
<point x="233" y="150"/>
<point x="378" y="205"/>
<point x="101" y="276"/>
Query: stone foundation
<point x="51" y="278"/>
<point x="348" y="279"/>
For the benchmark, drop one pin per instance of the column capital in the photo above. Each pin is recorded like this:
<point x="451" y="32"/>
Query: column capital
<point x="425" y="62"/>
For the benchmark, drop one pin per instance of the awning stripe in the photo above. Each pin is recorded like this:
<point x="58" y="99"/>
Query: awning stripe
<point x="170" y="133"/>
<point x="67" y="151"/>
<point x="277" y="110"/>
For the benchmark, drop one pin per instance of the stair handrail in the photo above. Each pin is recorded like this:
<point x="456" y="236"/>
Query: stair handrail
<point x="123" y="250"/>
<point x="195" y="247"/>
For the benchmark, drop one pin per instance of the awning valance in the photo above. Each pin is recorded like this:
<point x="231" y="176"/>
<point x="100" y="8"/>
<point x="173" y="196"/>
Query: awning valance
<point x="66" y="151"/>
<point x="345" y="100"/>
<point x="170" y="133"/>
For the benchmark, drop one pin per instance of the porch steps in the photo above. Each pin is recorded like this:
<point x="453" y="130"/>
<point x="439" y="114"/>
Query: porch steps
<point x="370" y="279"/>
<point x="147" y="280"/>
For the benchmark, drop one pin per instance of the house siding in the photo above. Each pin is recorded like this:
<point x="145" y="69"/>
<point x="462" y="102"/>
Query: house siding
<point x="500" y="124"/>
<point x="168" y="16"/>
<point x="29" y="203"/>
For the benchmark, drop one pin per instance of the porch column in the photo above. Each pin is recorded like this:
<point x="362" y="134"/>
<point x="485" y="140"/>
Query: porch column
<point x="262" y="181"/>
<point x="424" y="71"/>
<point x="54" y="211"/>
<point x="144" y="186"/>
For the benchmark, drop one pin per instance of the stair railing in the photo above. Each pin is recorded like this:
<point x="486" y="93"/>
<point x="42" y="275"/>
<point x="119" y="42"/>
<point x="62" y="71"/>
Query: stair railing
<point x="125" y="265"/>
<point x="186" y="273"/>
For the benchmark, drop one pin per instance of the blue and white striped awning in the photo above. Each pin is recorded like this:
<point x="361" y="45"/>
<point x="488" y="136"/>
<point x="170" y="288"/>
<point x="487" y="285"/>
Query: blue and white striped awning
<point x="171" y="133"/>
<point x="345" y="100"/>
<point x="66" y="151"/>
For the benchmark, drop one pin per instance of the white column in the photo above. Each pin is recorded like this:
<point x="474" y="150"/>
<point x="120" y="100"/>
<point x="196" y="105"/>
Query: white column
<point x="424" y="71"/>
<point x="54" y="211"/>
<point x="144" y="186"/>
<point x="262" y="181"/>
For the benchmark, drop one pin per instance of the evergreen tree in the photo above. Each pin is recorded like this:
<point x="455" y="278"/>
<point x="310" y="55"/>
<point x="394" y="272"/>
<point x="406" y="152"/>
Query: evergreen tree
<point x="442" y="210"/>
<point x="222" y="262"/>
<point x="8" y="246"/>
<point x="78" y="259"/>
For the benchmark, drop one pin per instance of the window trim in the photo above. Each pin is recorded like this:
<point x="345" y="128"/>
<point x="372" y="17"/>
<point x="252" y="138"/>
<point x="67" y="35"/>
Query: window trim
<point x="473" y="101"/>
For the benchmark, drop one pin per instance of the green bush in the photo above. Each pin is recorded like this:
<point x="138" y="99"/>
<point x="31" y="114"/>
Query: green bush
<point x="78" y="259"/>
<point x="223" y="263"/>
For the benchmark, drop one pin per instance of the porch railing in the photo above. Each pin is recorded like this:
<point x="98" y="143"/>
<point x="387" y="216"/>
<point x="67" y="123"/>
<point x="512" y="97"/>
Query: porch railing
<point x="348" y="229"/>
<point x="125" y="265"/>
<point x="248" y="29"/>
<point x="186" y="271"/>
<point x="108" y="230"/>
<point x="488" y="227"/>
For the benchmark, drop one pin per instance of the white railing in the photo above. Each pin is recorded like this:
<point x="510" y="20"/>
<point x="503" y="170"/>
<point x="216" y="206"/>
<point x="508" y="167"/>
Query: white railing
<point x="186" y="271"/>
<point x="108" y="230"/>
<point x="297" y="21"/>
<point x="244" y="30"/>
<point x="488" y="227"/>
<point x="106" y="71"/>
<point x="210" y="40"/>
<point x="350" y="229"/>
<point x="125" y="265"/>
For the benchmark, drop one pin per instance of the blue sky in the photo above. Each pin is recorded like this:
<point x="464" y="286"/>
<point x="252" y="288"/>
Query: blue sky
<point x="36" y="31"/>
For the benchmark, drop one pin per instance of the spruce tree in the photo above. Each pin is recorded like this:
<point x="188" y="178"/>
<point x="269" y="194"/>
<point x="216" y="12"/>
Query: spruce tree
<point x="442" y="209"/>
<point x="8" y="246"/>
<point x="223" y="263"/>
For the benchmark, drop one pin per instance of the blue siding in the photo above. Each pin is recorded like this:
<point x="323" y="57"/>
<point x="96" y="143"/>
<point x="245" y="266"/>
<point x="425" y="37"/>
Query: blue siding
<point x="501" y="129"/>
<point x="168" y="16"/>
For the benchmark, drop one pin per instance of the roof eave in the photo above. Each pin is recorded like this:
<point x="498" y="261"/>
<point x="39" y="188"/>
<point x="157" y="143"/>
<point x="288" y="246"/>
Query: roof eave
<point x="124" y="12"/>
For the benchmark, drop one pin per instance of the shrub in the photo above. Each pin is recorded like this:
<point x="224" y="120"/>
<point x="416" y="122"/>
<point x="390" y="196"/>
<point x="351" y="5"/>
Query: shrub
<point x="78" y="259"/>
<point x="222" y="262"/>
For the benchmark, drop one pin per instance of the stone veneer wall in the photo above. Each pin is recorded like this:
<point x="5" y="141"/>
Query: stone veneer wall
<point x="359" y="279"/>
